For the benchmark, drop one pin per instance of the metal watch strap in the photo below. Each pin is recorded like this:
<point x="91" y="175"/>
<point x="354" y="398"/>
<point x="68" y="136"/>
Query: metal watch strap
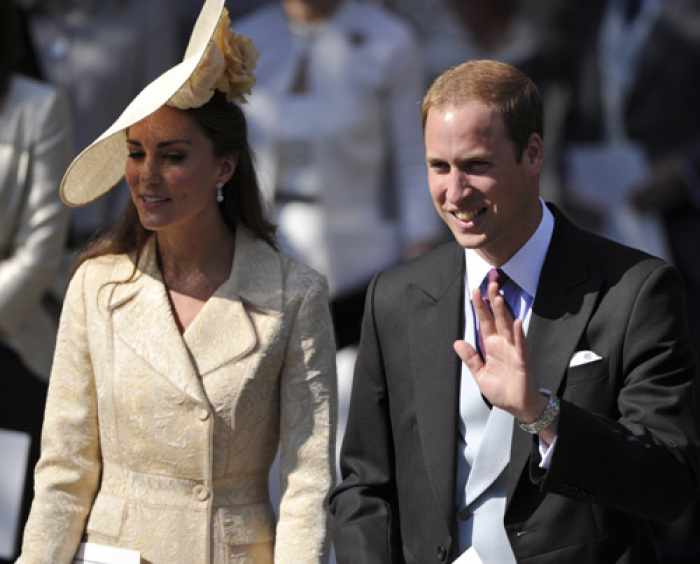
<point x="547" y="416"/>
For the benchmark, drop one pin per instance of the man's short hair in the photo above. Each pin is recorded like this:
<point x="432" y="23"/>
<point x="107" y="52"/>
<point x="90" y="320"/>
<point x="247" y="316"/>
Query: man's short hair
<point x="510" y="92"/>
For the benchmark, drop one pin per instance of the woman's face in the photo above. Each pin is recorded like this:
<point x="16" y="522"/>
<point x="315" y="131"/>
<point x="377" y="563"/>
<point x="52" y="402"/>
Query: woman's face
<point x="172" y="172"/>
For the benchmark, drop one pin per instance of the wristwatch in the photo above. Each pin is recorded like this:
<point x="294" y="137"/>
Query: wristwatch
<point x="548" y="415"/>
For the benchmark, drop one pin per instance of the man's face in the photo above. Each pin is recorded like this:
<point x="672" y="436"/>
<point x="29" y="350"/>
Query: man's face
<point x="489" y="201"/>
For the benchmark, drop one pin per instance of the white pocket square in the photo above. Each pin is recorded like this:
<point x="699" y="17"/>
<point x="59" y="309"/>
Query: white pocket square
<point x="583" y="357"/>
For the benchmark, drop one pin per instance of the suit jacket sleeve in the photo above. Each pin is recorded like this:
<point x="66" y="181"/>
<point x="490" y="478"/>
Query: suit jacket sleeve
<point x="634" y="447"/>
<point x="30" y="259"/>
<point x="365" y="515"/>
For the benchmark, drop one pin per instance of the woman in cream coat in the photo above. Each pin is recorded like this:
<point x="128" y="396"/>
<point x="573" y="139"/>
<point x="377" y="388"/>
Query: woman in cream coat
<point x="189" y="349"/>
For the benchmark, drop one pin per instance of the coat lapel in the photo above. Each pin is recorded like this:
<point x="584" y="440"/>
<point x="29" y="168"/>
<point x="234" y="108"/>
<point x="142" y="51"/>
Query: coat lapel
<point x="435" y="306"/>
<point x="144" y="322"/>
<point x="229" y="326"/>
<point x="243" y="311"/>
<point x="564" y="303"/>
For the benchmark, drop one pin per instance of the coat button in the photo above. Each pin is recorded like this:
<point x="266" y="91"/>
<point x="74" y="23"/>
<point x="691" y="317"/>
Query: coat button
<point x="201" y="493"/>
<point x="441" y="553"/>
<point x="202" y="413"/>
<point x="464" y="514"/>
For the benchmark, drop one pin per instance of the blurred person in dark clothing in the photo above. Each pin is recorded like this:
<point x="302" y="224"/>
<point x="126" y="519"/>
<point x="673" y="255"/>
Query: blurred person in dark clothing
<point x="635" y="83"/>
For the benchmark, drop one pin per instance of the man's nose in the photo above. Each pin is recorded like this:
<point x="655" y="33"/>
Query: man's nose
<point x="458" y="186"/>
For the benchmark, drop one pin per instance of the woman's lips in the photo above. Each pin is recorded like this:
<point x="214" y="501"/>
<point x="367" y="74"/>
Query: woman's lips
<point x="153" y="199"/>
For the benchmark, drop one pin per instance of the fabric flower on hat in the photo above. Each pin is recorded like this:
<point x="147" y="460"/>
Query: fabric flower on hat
<point x="241" y="58"/>
<point x="227" y="65"/>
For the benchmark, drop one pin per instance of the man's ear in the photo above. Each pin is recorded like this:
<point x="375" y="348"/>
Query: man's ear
<point x="534" y="152"/>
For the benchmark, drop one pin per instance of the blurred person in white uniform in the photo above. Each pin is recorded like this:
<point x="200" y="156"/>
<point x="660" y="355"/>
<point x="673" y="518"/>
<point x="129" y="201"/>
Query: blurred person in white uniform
<point x="334" y="126"/>
<point x="101" y="53"/>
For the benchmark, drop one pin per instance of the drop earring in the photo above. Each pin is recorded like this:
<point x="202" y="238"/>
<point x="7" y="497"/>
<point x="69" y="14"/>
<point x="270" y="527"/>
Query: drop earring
<point x="220" y="192"/>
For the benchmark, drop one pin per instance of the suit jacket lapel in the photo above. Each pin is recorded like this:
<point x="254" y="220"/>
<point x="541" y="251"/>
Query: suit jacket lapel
<point x="566" y="294"/>
<point x="435" y="308"/>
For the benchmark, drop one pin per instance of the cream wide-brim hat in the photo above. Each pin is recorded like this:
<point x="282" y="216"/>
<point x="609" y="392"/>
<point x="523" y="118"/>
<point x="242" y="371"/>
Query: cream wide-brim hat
<point x="97" y="169"/>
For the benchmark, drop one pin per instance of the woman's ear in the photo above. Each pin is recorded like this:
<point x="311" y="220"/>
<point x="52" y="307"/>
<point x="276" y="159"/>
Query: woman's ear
<point x="228" y="167"/>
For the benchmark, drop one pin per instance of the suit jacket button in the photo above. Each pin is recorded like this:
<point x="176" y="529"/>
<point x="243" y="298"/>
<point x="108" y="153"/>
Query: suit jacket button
<point x="464" y="514"/>
<point x="442" y="553"/>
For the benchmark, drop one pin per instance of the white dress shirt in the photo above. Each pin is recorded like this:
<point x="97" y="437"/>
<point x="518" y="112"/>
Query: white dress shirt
<point x="524" y="270"/>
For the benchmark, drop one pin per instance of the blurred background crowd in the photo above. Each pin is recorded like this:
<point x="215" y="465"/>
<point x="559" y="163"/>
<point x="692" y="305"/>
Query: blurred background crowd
<point x="334" y="123"/>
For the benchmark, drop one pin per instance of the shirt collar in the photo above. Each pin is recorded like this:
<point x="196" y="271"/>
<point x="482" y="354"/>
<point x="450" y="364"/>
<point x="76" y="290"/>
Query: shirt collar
<point x="524" y="266"/>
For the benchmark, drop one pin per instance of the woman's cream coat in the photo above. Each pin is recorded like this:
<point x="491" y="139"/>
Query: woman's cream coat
<point x="163" y="443"/>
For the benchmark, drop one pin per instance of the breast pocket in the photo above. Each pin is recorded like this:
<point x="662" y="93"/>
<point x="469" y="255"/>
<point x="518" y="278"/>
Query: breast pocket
<point x="587" y="373"/>
<point x="589" y="386"/>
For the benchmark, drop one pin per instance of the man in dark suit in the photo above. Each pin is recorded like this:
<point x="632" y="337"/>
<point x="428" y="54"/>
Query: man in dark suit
<point x="564" y="422"/>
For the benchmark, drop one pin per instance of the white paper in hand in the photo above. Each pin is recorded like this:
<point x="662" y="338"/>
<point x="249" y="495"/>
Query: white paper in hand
<point x="91" y="553"/>
<point x="604" y="174"/>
